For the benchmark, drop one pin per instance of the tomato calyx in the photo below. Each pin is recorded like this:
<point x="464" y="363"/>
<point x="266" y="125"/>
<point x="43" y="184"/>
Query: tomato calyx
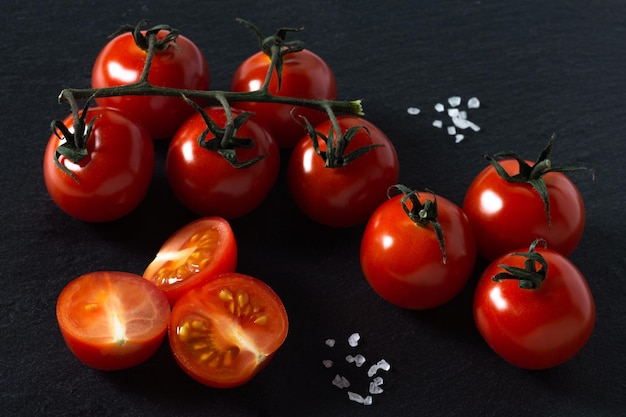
<point x="335" y="154"/>
<point x="276" y="47"/>
<point x="142" y="39"/>
<point x="224" y="140"/>
<point x="529" y="277"/>
<point x="532" y="174"/>
<point x="421" y="214"/>
<point x="73" y="145"/>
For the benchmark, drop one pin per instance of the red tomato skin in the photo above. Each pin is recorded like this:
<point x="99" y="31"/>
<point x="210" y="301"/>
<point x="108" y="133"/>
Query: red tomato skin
<point x="507" y="216"/>
<point x="539" y="328"/>
<point x="115" y="176"/>
<point x="201" y="303"/>
<point x="305" y="75"/>
<point x="403" y="262"/>
<point x="181" y="66"/>
<point x="110" y="356"/>
<point x="223" y="259"/>
<point x="348" y="195"/>
<point x="206" y="183"/>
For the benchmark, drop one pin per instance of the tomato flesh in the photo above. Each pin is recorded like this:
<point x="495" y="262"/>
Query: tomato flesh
<point x="194" y="254"/>
<point x="225" y="332"/>
<point x="112" y="320"/>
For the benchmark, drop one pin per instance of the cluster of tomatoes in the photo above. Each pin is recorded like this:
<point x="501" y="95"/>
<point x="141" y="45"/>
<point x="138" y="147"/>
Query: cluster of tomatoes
<point x="532" y="305"/>
<point x="418" y="250"/>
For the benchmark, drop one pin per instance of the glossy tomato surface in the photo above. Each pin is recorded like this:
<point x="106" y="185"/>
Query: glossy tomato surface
<point x="182" y="65"/>
<point x="114" y="176"/>
<point x="343" y="196"/>
<point x="305" y="75"/>
<point x="535" y="328"/>
<point x="208" y="184"/>
<point x="507" y="216"/>
<point x="112" y="320"/>
<point x="225" y="332"/>
<point x="403" y="261"/>
<point x="194" y="254"/>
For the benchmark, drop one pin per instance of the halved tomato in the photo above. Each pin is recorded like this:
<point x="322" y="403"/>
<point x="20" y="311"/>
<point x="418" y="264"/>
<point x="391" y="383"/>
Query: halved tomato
<point x="112" y="320"/>
<point x="193" y="255"/>
<point x="225" y="332"/>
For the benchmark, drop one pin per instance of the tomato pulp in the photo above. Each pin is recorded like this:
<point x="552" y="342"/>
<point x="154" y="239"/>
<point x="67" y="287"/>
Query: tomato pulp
<point x="194" y="254"/>
<point x="225" y="332"/>
<point x="112" y="320"/>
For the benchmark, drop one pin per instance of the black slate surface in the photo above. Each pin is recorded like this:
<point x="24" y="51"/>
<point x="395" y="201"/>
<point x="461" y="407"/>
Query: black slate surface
<point x="537" y="67"/>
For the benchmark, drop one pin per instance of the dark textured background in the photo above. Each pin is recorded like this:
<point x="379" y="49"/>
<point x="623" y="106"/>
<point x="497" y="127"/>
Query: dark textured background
<point x="538" y="67"/>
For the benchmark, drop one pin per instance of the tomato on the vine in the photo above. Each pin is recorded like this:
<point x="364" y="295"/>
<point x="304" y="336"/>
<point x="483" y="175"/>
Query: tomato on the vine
<point x="418" y="250"/>
<point x="225" y="332"/>
<point x="112" y="320"/>
<point x="534" y="308"/>
<point x="506" y="207"/>
<point x="114" y="171"/>
<point x="304" y="75"/>
<point x="342" y="187"/>
<point x="216" y="180"/>
<point x="194" y="254"/>
<point x="177" y="63"/>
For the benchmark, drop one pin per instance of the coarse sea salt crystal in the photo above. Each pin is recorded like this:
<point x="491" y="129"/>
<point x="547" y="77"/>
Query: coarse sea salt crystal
<point x="451" y="130"/>
<point x="358" y="360"/>
<point x="473" y="103"/>
<point x="353" y="340"/>
<point x="454" y="101"/>
<point x="327" y="363"/>
<point x="375" y="389"/>
<point x="330" y="342"/>
<point x="381" y="364"/>
<point x="461" y="123"/>
<point x="439" y="107"/>
<point x="458" y="138"/>
<point x="453" y="112"/>
<point x="413" y="111"/>
<point x="438" y="124"/>
<point x="353" y="396"/>
<point x="341" y="382"/>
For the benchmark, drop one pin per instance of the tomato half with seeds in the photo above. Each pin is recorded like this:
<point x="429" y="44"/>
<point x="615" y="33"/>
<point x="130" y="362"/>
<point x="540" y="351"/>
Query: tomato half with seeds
<point x="112" y="320"/>
<point x="225" y="332"/>
<point x="194" y="254"/>
<point x="179" y="64"/>
<point x="304" y="75"/>
<point x="534" y="308"/>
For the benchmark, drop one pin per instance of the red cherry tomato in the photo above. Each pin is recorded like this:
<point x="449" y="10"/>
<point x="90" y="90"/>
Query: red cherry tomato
<point x="535" y="328"/>
<point x="225" y="332"/>
<point x="403" y="260"/>
<point x="112" y="320"/>
<point x="507" y="216"/>
<point x="206" y="183"/>
<point x="304" y="75"/>
<point x="347" y="195"/>
<point x="181" y="65"/>
<point x="114" y="176"/>
<point x="193" y="255"/>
